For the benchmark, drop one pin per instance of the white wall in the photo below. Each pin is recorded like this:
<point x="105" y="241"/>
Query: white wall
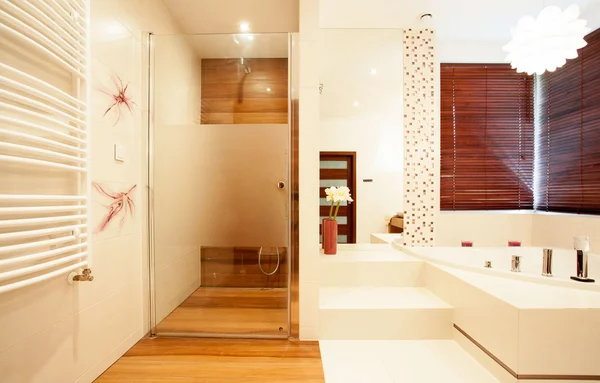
<point x="373" y="127"/>
<point x="533" y="229"/>
<point x="484" y="229"/>
<point x="455" y="51"/>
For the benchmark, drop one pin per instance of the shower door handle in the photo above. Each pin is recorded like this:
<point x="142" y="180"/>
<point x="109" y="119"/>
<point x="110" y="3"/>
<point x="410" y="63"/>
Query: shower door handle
<point x="280" y="184"/>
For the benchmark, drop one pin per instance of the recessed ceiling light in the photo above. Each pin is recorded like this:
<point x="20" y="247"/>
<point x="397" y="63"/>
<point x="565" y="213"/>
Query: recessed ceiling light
<point x="250" y="37"/>
<point x="355" y="103"/>
<point x="373" y="71"/>
<point x="268" y="89"/>
<point x="244" y="26"/>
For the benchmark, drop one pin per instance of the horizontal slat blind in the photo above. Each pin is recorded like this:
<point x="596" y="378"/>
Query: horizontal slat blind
<point x="487" y="138"/>
<point x="568" y="142"/>
<point x="43" y="141"/>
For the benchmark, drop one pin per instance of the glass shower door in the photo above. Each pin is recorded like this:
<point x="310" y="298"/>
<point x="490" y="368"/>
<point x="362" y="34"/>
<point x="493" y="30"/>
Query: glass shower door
<point x="220" y="142"/>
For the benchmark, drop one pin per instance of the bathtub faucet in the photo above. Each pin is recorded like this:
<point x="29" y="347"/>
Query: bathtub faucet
<point x="515" y="265"/>
<point x="581" y="244"/>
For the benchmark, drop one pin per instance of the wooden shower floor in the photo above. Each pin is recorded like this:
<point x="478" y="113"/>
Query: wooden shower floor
<point x="182" y="360"/>
<point x="238" y="311"/>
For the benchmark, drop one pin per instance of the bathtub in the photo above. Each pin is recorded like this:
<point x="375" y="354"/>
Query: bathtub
<point x="474" y="259"/>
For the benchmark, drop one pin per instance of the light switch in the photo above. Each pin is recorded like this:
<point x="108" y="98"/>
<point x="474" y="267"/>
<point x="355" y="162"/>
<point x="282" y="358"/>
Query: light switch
<point x="119" y="153"/>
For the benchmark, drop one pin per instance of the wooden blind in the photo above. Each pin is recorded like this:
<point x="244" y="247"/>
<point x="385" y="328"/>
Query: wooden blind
<point x="487" y="138"/>
<point x="568" y="142"/>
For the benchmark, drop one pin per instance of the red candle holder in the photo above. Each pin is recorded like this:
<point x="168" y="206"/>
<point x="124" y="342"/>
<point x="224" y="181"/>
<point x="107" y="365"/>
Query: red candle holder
<point x="466" y="243"/>
<point x="514" y="243"/>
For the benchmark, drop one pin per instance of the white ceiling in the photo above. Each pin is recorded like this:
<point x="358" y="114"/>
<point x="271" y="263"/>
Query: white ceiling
<point x="224" y="16"/>
<point x="456" y="20"/>
<point x="481" y="25"/>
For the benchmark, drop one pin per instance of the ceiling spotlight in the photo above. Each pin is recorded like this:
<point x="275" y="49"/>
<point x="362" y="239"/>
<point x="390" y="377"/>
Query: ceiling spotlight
<point x="268" y="89"/>
<point x="355" y="103"/>
<point x="373" y="71"/>
<point x="244" y="26"/>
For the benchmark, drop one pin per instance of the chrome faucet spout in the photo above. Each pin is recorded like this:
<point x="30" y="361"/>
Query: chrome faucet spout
<point x="581" y="245"/>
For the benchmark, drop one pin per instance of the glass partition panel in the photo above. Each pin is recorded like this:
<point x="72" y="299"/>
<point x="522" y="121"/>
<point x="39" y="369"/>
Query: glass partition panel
<point x="220" y="180"/>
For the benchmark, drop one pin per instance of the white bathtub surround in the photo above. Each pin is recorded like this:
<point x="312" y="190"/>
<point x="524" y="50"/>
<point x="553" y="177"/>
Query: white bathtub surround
<point x="385" y="237"/>
<point x="386" y="287"/>
<point x="420" y="144"/>
<point x="348" y="361"/>
<point x="384" y="267"/>
<point x="383" y="313"/>
<point x="473" y="259"/>
<point x="527" y="326"/>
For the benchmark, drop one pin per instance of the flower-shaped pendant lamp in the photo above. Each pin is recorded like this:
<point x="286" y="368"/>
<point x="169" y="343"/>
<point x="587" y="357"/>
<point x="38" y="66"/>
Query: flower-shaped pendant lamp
<point x="546" y="43"/>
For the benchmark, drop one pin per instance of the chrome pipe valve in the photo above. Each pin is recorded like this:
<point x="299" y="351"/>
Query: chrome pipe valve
<point x="515" y="264"/>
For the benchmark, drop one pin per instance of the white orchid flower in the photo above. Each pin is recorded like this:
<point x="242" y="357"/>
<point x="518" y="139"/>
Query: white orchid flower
<point x="337" y="195"/>
<point x="330" y="193"/>
<point x="344" y="194"/>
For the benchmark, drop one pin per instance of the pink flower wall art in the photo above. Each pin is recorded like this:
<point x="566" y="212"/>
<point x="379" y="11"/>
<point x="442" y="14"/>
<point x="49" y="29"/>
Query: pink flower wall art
<point x="119" y="98"/>
<point x="120" y="207"/>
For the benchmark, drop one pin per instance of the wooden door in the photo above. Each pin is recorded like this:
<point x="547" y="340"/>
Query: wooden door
<point x="339" y="169"/>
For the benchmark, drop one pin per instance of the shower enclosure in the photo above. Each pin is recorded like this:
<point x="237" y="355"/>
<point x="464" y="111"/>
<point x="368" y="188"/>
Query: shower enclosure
<point x="220" y="175"/>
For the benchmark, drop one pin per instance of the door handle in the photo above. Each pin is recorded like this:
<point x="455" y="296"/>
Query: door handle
<point x="280" y="184"/>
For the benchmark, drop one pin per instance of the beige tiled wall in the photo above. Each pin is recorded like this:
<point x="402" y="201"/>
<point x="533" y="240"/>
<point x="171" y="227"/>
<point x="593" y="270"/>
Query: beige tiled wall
<point x="56" y="333"/>
<point x="421" y="143"/>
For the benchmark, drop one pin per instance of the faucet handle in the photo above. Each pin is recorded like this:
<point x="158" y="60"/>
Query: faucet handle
<point x="581" y="243"/>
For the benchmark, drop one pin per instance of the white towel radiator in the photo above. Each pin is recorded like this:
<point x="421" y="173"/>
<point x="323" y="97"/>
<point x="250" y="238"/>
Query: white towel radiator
<point x="44" y="141"/>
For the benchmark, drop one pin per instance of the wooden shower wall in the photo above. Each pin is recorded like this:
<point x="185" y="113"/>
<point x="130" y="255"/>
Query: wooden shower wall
<point x="238" y="267"/>
<point x="230" y="96"/>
